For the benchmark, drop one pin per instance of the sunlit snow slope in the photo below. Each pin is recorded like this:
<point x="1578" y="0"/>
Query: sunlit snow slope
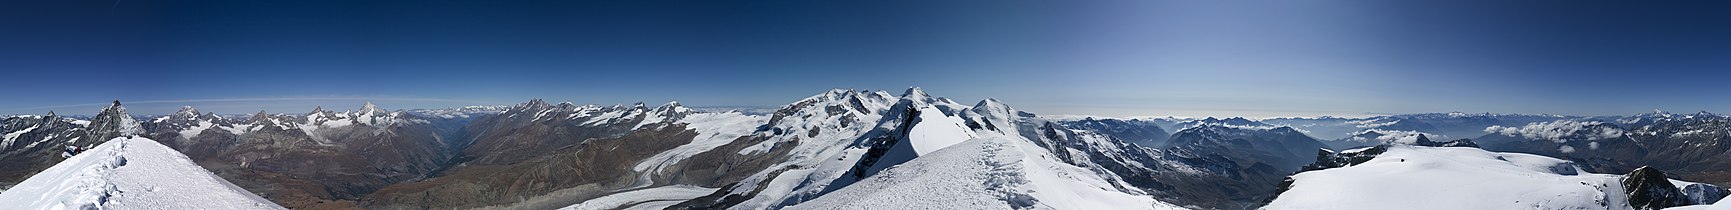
<point x="129" y="173"/>
<point x="990" y="172"/>
<point x="1418" y="177"/>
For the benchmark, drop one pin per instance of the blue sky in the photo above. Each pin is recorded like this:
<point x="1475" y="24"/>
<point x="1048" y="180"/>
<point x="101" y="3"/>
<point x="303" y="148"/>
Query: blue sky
<point x="1113" y="58"/>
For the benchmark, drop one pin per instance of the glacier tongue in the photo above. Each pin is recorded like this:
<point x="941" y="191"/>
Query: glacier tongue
<point x="129" y="173"/>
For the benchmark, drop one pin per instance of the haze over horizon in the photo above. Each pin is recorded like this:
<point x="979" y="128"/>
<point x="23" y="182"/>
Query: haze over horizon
<point x="1107" y="58"/>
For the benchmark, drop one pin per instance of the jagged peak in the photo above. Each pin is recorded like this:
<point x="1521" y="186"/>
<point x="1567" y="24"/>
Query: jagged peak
<point x="260" y="116"/>
<point x="533" y="104"/>
<point x="113" y="109"/>
<point x="318" y="109"/>
<point x="186" y="112"/>
<point x="838" y="92"/>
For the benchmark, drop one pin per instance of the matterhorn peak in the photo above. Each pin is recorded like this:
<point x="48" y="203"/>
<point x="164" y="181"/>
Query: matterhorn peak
<point x="113" y="122"/>
<point x="318" y="109"/>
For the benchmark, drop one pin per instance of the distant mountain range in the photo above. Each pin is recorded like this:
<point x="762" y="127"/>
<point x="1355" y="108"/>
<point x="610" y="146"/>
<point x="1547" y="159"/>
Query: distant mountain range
<point x="874" y="149"/>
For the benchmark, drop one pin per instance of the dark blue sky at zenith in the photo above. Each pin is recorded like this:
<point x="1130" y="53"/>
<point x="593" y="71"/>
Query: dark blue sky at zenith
<point x="1114" y="58"/>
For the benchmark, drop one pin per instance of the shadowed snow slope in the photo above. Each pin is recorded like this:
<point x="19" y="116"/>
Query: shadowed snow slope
<point x="129" y="173"/>
<point x="1417" y="177"/>
<point x="990" y="172"/>
<point x="1723" y="204"/>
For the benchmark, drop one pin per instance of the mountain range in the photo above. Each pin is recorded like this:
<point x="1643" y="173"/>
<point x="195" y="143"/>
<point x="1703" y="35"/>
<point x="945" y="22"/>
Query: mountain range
<point x="858" y="149"/>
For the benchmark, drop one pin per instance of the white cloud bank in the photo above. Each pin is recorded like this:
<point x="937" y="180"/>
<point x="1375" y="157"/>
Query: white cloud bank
<point x="1560" y="131"/>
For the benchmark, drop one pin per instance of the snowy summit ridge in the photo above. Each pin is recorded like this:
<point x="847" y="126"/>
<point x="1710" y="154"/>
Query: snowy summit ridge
<point x="129" y="173"/>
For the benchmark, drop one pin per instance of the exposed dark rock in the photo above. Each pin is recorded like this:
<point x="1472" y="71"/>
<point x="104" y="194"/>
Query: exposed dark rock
<point x="1648" y="189"/>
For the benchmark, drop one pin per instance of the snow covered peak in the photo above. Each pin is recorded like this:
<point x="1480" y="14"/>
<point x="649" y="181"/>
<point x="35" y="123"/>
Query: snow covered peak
<point x="672" y="106"/>
<point x="1238" y="122"/>
<point x="187" y="111"/>
<point x="369" y="109"/>
<point x="994" y="107"/>
<point x="990" y="114"/>
<point x="129" y="173"/>
<point x="915" y="92"/>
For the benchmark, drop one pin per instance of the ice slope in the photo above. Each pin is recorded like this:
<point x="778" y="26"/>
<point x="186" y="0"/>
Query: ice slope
<point x="129" y="173"/>
<point x="936" y="130"/>
<point x="990" y="172"/>
<point x="651" y="198"/>
<point x="713" y="130"/>
<point x="1417" y="177"/>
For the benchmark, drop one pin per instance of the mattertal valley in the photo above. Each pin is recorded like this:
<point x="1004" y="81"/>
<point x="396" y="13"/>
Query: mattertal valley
<point x="840" y="104"/>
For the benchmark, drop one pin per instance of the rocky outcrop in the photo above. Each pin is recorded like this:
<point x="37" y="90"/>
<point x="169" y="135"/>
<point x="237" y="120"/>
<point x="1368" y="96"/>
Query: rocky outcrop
<point x="1425" y="141"/>
<point x="1703" y="194"/>
<point x="1649" y="189"/>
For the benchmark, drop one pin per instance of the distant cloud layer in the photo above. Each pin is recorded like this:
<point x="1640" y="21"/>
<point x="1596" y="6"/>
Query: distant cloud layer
<point x="1560" y="131"/>
<point x="1396" y="136"/>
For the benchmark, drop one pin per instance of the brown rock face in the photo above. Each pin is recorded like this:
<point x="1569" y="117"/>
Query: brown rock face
<point x="513" y="169"/>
